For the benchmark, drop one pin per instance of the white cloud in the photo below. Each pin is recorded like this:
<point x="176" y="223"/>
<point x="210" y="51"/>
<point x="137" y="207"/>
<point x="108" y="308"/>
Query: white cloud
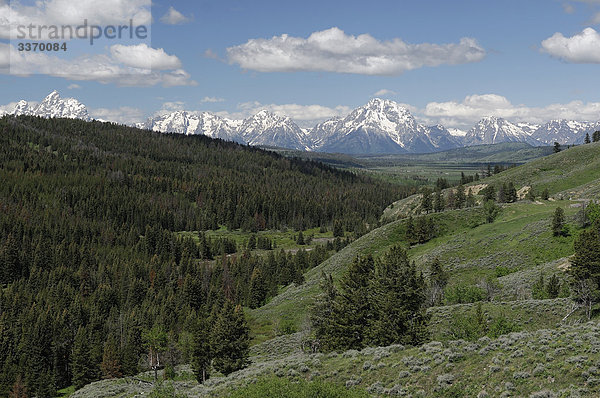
<point x="212" y="99"/>
<point x="169" y="107"/>
<point x="73" y="86"/>
<point x="568" y="8"/>
<point x="384" y="92"/>
<point x="583" y="47"/>
<point x="332" y="50"/>
<point x="101" y="68"/>
<point x="144" y="57"/>
<point x="64" y="12"/>
<point x="174" y="17"/>
<point x="595" y="19"/>
<point x="124" y="115"/>
<point x="464" y="114"/>
<point x="7" y="108"/>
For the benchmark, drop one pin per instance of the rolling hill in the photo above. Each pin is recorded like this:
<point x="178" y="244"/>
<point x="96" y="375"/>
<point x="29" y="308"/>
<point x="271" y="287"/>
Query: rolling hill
<point x="535" y="353"/>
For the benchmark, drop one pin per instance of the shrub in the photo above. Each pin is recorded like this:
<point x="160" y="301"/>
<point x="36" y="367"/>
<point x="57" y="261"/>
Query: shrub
<point x="461" y="294"/>
<point x="502" y="325"/>
<point x="285" y="327"/>
<point x="283" y="388"/>
<point x="165" y="390"/>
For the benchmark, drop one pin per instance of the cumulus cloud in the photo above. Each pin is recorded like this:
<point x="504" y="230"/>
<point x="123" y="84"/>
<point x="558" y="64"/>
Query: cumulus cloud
<point x="581" y="48"/>
<point x="124" y="115"/>
<point x="568" y="8"/>
<point x="142" y="56"/>
<point x="595" y="19"/>
<point x="383" y="92"/>
<point x="73" y="86"/>
<point x="464" y="114"/>
<point x="174" y="17"/>
<point x="212" y="99"/>
<point x="103" y="68"/>
<point x="332" y="50"/>
<point x="64" y="12"/>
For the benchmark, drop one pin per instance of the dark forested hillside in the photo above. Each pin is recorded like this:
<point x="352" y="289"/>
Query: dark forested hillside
<point x="88" y="258"/>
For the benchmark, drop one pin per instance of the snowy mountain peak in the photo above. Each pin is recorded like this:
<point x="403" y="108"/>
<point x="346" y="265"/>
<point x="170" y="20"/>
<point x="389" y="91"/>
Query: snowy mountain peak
<point x="493" y="130"/>
<point x="190" y="123"/>
<point x="53" y="106"/>
<point x="267" y="128"/>
<point x="380" y="126"/>
<point x="22" y="108"/>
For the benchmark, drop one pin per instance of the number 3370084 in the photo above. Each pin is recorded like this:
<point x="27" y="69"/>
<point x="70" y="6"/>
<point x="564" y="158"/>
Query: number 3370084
<point x="42" y="46"/>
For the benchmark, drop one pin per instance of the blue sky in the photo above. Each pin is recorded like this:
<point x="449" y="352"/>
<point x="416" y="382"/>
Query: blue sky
<point x="524" y="60"/>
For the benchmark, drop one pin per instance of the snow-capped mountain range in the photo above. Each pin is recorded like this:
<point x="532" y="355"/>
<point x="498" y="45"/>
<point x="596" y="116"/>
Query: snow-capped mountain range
<point x="380" y="126"/>
<point x="53" y="106"/>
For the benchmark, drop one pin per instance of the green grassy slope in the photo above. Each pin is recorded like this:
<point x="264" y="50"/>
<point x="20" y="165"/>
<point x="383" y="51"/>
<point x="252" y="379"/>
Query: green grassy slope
<point x="563" y="362"/>
<point x="547" y="357"/>
<point x="573" y="173"/>
<point x="519" y="240"/>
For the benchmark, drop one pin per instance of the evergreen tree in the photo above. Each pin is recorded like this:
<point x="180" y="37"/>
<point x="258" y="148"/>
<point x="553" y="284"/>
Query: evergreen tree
<point x="557" y="147"/>
<point x="491" y="211"/>
<point x="82" y="367"/>
<point x="19" y="389"/>
<point x="502" y="194"/>
<point x="511" y="193"/>
<point x="585" y="269"/>
<point x="230" y="339"/>
<point x="438" y="201"/>
<point x="531" y="194"/>
<point x="155" y="340"/>
<point x="338" y="229"/>
<point x="538" y="290"/>
<point x="426" y="203"/>
<point x="587" y="138"/>
<point x="471" y="201"/>
<point x="252" y="242"/>
<point x="111" y="362"/>
<point x="460" y="197"/>
<point x="553" y="287"/>
<point x="258" y="289"/>
<point x="451" y="199"/>
<point x="438" y="279"/>
<point x="300" y="239"/>
<point x="545" y="194"/>
<point x="596" y="136"/>
<point x="201" y="350"/>
<point x="397" y="296"/>
<point x="352" y="311"/>
<point x="558" y="222"/>
<point x="489" y="193"/>
<point x="322" y="314"/>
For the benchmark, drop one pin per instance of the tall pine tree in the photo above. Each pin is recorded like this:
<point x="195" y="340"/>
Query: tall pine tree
<point x="230" y="339"/>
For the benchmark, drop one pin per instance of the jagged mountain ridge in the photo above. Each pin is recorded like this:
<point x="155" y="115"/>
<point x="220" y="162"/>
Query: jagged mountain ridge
<point x="380" y="126"/>
<point x="53" y="106"/>
<point x="493" y="130"/>
<point x="189" y="123"/>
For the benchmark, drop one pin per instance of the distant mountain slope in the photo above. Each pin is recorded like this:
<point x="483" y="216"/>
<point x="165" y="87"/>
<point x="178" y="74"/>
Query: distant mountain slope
<point x="564" y="131"/>
<point x="493" y="130"/>
<point x="53" y="106"/>
<point x="266" y="128"/>
<point x="189" y="123"/>
<point x="380" y="126"/>
<point x="507" y="152"/>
